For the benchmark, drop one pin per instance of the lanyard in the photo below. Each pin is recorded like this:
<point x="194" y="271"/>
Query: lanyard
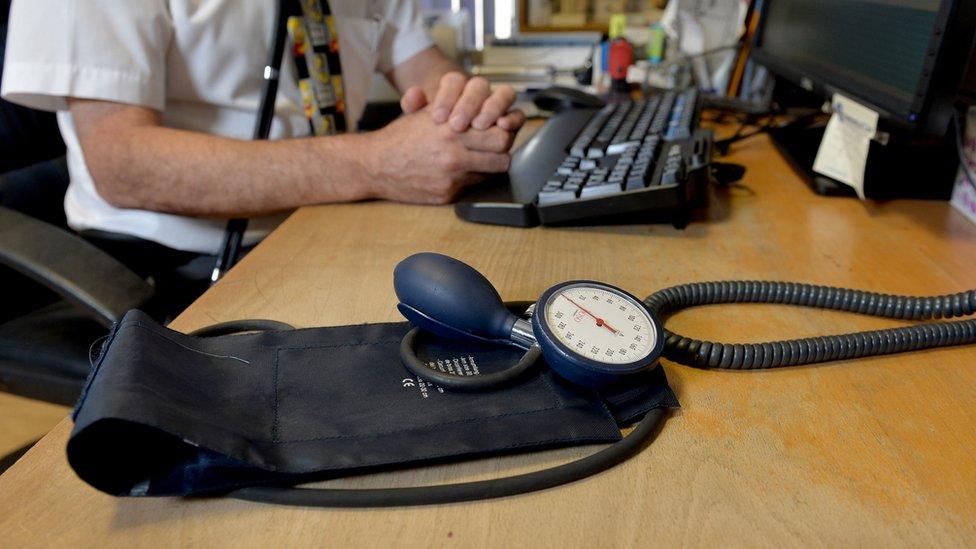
<point x="315" y="49"/>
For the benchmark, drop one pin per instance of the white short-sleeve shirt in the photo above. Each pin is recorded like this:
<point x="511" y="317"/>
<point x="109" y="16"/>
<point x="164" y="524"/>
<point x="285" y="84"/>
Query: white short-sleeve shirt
<point x="198" y="62"/>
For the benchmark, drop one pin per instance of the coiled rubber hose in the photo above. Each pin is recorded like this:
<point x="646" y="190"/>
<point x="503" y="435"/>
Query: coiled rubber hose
<point x="749" y="356"/>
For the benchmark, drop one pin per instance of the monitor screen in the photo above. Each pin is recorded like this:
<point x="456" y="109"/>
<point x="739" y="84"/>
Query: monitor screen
<point x="876" y="50"/>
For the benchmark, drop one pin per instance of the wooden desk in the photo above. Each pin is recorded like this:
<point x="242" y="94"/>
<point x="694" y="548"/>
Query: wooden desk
<point x="876" y="452"/>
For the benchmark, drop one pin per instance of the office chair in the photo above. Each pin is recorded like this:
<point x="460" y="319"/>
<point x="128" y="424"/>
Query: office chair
<point x="44" y="353"/>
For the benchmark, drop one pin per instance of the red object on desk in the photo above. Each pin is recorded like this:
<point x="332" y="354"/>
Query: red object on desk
<point x="621" y="58"/>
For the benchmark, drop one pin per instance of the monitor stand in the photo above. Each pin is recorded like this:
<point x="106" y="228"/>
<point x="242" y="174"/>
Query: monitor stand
<point x="907" y="167"/>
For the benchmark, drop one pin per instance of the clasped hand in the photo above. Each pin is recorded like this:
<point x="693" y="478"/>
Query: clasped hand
<point x="439" y="146"/>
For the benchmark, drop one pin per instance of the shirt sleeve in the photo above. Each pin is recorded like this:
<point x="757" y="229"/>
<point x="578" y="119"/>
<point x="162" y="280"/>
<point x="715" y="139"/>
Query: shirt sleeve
<point x="403" y="36"/>
<point x="110" y="50"/>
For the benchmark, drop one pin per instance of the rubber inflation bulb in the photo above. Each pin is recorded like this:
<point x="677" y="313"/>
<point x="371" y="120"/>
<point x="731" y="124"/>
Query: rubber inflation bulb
<point x="450" y="298"/>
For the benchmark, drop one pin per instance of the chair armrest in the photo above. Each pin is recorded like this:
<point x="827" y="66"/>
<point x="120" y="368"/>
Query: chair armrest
<point x="79" y="272"/>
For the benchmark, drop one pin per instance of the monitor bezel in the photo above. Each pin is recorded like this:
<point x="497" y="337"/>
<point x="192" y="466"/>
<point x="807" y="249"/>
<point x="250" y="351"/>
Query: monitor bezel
<point x="825" y="83"/>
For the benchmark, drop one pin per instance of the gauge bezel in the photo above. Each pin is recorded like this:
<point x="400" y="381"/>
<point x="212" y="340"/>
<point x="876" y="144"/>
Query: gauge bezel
<point x="588" y="370"/>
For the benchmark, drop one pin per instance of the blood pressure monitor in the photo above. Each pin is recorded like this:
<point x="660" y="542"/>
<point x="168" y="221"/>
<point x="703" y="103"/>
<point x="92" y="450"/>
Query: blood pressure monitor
<point x="590" y="333"/>
<point x="598" y="336"/>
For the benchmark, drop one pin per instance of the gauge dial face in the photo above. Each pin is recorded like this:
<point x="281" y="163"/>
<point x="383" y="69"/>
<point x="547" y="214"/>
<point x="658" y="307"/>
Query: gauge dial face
<point x="600" y="324"/>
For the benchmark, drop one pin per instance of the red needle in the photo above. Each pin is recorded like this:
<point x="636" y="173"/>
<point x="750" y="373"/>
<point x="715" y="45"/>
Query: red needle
<point x="599" y="321"/>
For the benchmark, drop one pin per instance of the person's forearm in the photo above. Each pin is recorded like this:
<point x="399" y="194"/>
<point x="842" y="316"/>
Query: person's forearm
<point x="137" y="163"/>
<point x="195" y="174"/>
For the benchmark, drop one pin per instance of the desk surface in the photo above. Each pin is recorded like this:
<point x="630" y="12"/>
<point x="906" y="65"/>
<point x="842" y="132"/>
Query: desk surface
<point x="879" y="451"/>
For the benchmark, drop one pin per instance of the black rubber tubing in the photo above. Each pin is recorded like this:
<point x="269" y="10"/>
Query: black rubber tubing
<point x="590" y="465"/>
<point x="483" y="382"/>
<point x="238" y="326"/>
<point x="749" y="356"/>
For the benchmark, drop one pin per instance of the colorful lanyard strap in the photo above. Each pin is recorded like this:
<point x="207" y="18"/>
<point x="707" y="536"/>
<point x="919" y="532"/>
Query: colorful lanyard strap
<point x="315" y="48"/>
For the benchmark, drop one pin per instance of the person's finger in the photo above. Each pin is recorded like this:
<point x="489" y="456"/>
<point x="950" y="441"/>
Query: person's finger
<point x="494" y="107"/>
<point x="448" y="92"/>
<point x="493" y="139"/>
<point x="476" y="91"/>
<point x="485" y="162"/>
<point x="512" y="121"/>
<point x="413" y="100"/>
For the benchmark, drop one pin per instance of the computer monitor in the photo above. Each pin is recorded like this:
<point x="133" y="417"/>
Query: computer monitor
<point x="903" y="58"/>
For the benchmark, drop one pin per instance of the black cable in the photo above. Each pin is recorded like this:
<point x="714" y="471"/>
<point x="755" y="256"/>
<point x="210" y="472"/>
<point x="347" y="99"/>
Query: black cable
<point x="238" y="326"/>
<point x="483" y="382"/>
<point x="709" y="354"/>
<point x="465" y="491"/>
<point x="722" y="145"/>
<point x="720" y="116"/>
<point x="445" y="493"/>
<point x="234" y="232"/>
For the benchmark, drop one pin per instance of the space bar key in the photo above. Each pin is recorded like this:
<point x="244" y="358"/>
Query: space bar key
<point x="552" y="197"/>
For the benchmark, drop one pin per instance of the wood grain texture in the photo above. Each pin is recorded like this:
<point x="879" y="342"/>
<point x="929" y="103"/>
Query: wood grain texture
<point x="23" y="421"/>
<point x="878" y="451"/>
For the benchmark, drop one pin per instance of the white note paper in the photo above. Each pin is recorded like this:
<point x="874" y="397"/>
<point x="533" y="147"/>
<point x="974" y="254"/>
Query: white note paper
<point x="843" y="152"/>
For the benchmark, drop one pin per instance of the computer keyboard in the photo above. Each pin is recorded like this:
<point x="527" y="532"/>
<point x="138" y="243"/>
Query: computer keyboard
<point x="630" y="161"/>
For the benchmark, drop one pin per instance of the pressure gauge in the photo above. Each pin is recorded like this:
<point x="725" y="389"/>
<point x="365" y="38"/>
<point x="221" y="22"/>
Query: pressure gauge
<point x="592" y="333"/>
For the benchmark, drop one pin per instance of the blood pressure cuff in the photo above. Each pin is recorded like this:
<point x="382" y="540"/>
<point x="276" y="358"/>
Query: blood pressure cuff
<point x="164" y="413"/>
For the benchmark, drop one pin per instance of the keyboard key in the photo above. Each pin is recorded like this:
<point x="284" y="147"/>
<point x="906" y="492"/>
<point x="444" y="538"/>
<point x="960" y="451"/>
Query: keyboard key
<point x="619" y="148"/>
<point x="596" y="179"/>
<point x="590" y="131"/>
<point x="671" y="175"/>
<point x="636" y="181"/>
<point x="663" y="114"/>
<point x="556" y="180"/>
<point x="600" y="190"/>
<point x="552" y="197"/>
<point x="673" y="166"/>
<point x="678" y="133"/>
